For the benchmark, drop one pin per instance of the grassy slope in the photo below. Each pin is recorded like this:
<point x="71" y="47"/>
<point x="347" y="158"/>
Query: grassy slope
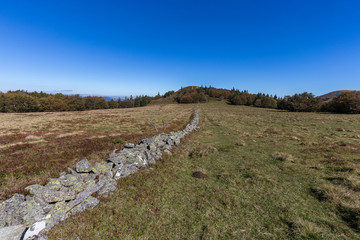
<point x="249" y="194"/>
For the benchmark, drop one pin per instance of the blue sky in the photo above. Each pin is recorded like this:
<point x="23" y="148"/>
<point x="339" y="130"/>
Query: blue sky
<point x="142" y="47"/>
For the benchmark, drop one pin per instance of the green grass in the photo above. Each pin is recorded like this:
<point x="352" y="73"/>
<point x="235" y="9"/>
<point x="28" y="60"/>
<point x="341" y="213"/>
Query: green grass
<point x="310" y="192"/>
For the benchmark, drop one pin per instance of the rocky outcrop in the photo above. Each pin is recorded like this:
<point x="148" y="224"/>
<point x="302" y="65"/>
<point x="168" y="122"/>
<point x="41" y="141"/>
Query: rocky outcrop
<point x="32" y="215"/>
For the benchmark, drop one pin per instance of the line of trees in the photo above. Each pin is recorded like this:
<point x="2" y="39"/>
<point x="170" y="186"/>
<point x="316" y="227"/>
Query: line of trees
<point x="347" y="102"/>
<point x="257" y="100"/>
<point x="23" y="101"/>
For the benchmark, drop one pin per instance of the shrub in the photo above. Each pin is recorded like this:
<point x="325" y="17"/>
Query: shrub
<point x="304" y="102"/>
<point x="239" y="100"/>
<point x="118" y="140"/>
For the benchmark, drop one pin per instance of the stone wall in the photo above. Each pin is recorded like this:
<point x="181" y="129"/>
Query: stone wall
<point x="29" y="217"/>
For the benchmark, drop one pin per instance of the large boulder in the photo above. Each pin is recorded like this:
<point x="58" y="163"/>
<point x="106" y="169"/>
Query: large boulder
<point x="84" y="166"/>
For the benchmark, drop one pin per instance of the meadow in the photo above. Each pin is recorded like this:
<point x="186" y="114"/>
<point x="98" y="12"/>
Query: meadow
<point x="271" y="174"/>
<point x="37" y="146"/>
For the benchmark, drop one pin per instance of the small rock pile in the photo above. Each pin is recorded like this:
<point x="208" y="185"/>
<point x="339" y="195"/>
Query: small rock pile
<point x="29" y="217"/>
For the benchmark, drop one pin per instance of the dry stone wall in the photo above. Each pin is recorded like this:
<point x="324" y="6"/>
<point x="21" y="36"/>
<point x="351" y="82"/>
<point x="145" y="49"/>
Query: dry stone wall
<point x="29" y="217"/>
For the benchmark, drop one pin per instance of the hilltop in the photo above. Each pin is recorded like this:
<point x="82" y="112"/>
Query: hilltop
<point x="331" y="95"/>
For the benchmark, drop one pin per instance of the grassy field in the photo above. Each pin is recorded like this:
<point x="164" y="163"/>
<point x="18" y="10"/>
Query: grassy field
<point x="271" y="175"/>
<point x="36" y="146"/>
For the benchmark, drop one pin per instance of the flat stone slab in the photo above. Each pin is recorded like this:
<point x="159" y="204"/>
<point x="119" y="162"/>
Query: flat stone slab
<point x="12" y="232"/>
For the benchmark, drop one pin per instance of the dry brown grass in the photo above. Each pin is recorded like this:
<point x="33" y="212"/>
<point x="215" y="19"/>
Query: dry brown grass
<point x="36" y="146"/>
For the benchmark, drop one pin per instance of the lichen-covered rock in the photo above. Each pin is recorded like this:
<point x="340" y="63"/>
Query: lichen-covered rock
<point x="78" y="187"/>
<point x="87" y="177"/>
<point x="57" y="196"/>
<point x="109" y="186"/>
<point x="31" y="211"/>
<point x="86" y="193"/>
<point x="58" y="212"/>
<point x="10" y="211"/>
<point x="89" y="202"/>
<point x="50" y="196"/>
<point x="69" y="180"/>
<point x="54" y="184"/>
<point x="84" y="166"/>
<point x="101" y="168"/>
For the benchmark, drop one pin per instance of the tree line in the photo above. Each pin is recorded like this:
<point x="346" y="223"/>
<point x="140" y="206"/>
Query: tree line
<point x="23" y="101"/>
<point x="347" y="102"/>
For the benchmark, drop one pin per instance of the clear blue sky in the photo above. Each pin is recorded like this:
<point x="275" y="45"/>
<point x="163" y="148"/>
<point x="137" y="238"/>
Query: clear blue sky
<point x="142" y="47"/>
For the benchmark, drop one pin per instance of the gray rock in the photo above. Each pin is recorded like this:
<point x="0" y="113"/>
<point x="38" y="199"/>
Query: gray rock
<point x="147" y="141"/>
<point x="109" y="186"/>
<point x="86" y="193"/>
<point x="84" y="166"/>
<point x="169" y="142"/>
<point x="35" y="229"/>
<point x="78" y="187"/>
<point x="125" y="171"/>
<point x="117" y="158"/>
<point x="50" y="196"/>
<point x="69" y="180"/>
<point x="59" y="212"/>
<point x="167" y="152"/>
<point x="129" y="145"/>
<point x="54" y="184"/>
<point x="71" y="171"/>
<point x="12" y="232"/>
<point x="101" y="168"/>
<point x="152" y="147"/>
<point x="31" y="211"/>
<point x="11" y="211"/>
<point x="89" y="202"/>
